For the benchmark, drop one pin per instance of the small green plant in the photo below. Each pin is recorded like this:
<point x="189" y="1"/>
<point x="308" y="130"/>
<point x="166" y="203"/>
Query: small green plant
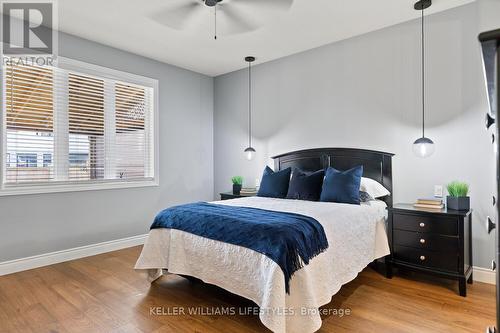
<point x="457" y="189"/>
<point x="237" y="180"/>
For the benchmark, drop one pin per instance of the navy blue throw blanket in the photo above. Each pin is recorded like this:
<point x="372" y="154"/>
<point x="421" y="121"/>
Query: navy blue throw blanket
<point x="289" y="239"/>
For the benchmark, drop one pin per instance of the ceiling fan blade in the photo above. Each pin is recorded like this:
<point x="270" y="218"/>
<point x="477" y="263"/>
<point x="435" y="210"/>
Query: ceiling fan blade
<point x="236" y="22"/>
<point x="177" y="17"/>
<point x="274" y="4"/>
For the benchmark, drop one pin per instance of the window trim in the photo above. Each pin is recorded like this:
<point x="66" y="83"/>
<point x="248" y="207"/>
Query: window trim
<point x="49" y="187"/>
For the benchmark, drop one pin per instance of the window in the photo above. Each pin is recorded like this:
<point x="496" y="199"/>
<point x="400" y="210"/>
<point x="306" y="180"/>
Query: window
<point x="26" y="161"/>
<point x="47" y="160"/>
<point x="77" y="124"/>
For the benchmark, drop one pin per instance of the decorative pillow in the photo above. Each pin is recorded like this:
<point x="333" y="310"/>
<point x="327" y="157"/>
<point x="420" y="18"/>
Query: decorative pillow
<point x="274" y="184"/>
<point x="364" y="196"/>
<point x="342" y="186"/>
<point x="305" y="186"/>
<point x="373" y="188"/>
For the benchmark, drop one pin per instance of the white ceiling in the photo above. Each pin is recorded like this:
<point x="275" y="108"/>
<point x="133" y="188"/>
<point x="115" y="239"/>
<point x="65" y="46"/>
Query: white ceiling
<point x="134" y="26"/>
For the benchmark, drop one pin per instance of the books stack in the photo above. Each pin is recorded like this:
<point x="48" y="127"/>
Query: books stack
<point x="430" y="203"/>
<point x="248" y="191"/>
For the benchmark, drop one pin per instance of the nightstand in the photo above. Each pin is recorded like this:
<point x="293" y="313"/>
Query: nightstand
<point x="434" y="242"/>
<point x="230" y="195"/>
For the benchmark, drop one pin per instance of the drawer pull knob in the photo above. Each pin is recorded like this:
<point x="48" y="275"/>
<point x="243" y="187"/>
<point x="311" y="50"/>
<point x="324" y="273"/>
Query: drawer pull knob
<point x="490" y="225"/>
<point x="491" y="330"/>
<point x="494" y="201"/>
<point x="422" y="241"/>
<point x="489" y="120"/>
<point x="422" y="258"/>
<point x="422" y="224"/>
<point x="493" y="265"/>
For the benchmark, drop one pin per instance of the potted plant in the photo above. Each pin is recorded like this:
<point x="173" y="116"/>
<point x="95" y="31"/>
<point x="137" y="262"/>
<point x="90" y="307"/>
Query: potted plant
<point x="237" y="182"/>
<point x="457" y="198"/>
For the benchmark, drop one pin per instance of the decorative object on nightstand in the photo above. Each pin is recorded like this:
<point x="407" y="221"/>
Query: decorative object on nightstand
<point x="457" y="196"/>
<point x="237" y="183"/>
<point x="248" y="191"/>
<point x="430" y="241"/>
<point x="429" y="203"/>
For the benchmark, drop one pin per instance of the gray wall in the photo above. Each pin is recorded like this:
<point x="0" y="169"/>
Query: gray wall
<point x="364" y="92"/>
<point x="489" y="13"/>
<point x="35" y="224"/>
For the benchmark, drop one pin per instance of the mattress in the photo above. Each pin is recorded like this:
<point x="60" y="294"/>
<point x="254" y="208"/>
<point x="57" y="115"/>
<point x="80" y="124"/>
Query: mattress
<point x="356" y="236"/>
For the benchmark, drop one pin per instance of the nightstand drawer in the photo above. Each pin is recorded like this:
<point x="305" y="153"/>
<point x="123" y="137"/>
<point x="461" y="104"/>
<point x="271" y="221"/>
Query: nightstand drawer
<point x="440" y="261"/>
<point x="426" y="241"/>
<point x="436" y="225"/>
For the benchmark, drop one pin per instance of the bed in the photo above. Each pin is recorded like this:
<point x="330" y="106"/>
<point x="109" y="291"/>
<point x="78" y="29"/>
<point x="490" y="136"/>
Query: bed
<point x="356" y="235"/>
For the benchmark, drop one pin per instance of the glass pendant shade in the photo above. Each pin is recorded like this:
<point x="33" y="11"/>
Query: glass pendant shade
<point x="249" y="153"/>
<point x="423" y="147"/>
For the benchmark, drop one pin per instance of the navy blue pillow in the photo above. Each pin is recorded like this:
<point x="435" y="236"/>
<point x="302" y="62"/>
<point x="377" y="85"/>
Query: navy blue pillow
<point x="274" y="184"/>
<point x="342" y="186"/>
<point x="305" y="186"/>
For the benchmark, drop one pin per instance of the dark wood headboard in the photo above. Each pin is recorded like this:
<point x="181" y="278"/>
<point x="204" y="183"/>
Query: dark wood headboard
<point x="376" y="164"/>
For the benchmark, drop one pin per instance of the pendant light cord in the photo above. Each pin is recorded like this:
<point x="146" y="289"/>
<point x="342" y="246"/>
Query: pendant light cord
<point x="423" y="75"/>
<point x="215" y="21"/>
<point x="249" y="104"/>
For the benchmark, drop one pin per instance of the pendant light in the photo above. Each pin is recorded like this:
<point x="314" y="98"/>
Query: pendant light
<point x="249" y="152"/>
<point x="423" y="147"/>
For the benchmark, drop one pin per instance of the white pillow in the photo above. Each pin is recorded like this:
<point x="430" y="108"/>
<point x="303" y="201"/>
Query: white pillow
<point x="373" y="188"/>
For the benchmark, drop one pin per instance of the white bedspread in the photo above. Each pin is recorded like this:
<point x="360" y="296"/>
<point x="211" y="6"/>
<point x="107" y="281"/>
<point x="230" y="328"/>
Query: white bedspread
<point x="356" y="236"/>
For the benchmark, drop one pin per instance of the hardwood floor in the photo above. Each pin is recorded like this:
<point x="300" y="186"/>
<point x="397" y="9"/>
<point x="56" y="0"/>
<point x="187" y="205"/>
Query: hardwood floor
<point x="104" y="294"/>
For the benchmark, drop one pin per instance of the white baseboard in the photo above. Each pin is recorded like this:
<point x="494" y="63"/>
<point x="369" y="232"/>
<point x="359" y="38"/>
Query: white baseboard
<point x="22" y="264"/>
<point x="485" y="275"/>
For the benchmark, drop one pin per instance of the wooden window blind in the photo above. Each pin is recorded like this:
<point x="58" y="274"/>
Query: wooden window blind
<point x="130" y="130"/>
<point x="86" y="127"/>
<point x="72" y="127"/>
<point x="29" y="123"/>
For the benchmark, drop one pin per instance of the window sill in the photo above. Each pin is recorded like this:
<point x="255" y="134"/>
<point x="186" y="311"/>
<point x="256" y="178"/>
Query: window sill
<point x="59" y="188"/>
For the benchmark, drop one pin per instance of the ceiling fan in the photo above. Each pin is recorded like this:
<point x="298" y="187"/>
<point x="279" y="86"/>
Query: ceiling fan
<point x="236" y="16"/>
